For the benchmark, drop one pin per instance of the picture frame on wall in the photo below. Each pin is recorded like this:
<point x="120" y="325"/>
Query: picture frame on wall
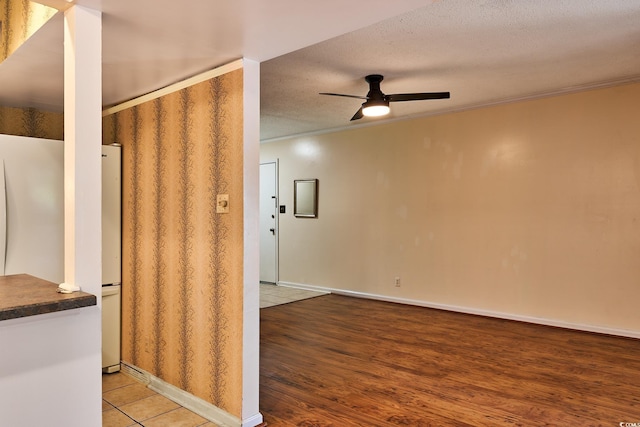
<point x="305" y="198"/>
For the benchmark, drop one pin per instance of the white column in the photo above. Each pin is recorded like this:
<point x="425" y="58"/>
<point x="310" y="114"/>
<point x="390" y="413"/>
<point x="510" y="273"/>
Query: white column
<point x="82" y="150"/>
<point x="251" y="197"/>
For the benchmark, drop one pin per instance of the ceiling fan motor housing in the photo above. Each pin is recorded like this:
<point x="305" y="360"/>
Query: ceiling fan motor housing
<point x="375" y="93"/>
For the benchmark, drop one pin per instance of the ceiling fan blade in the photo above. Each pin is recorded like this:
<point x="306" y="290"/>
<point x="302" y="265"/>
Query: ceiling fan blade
<point x="397" y="97"/>
<point x="346" y="96"/>
<point x="358" y="115"/>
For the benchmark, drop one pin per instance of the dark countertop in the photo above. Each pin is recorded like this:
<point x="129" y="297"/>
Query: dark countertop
<point x="22" y="295"/>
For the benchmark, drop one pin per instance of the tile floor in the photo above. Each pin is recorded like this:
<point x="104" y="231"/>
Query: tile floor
<point x="271" y="295"/>
<point x="127" y="402"/>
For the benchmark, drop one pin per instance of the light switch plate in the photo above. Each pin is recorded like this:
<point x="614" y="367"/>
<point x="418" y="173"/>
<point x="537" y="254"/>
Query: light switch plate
<point x="222" y="203"/>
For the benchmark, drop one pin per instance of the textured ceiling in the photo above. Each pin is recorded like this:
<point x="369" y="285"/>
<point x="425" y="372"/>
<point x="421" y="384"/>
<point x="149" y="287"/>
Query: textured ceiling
<point x="482" y="51"/>
<point x="149" y="44"/>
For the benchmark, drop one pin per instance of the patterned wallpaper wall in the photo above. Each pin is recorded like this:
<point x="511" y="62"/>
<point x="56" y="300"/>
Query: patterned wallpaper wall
<point x="20" y="19"/>
<point x="31" y="122"/>
<point x="182" y="262"/>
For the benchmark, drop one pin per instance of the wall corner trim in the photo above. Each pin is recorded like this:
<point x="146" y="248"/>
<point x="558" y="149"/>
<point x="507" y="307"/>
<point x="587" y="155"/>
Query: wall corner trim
<point x="468" y="310"/>
<point x="199" y="78"/>
<point x="185" y="399"/>
<point x="253" y="421"/>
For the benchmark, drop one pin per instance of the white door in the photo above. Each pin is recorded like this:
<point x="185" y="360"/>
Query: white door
<point x="269" y="222"/>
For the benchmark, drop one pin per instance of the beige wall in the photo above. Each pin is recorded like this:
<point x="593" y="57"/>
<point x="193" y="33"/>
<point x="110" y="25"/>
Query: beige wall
<point x="529" y="209"/>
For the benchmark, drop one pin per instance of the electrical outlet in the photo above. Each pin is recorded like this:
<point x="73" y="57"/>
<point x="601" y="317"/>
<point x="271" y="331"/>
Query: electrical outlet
<point x="397" y="281"/>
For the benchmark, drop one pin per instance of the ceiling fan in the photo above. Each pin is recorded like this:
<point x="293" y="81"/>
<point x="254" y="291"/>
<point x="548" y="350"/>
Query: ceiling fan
<point x="377" y="103"/>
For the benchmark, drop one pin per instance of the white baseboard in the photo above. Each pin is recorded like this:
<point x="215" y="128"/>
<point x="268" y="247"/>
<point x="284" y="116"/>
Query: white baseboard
<point x="308" y="287"/>
<point x="468" y="310"/>
<point x="195" y="404"/>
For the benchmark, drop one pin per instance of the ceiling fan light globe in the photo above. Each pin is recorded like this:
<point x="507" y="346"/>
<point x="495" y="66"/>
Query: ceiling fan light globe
<point x="375" y="110"/>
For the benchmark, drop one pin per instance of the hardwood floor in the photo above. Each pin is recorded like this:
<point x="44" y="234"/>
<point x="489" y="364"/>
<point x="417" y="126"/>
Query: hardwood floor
<point x="340" y="361"/>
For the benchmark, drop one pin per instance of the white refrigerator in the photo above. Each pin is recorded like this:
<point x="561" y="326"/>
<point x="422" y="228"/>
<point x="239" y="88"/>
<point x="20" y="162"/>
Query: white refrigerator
<point x="32" y="207"/>
<point x="32" y="223"/>
<point x="111" y="256"/>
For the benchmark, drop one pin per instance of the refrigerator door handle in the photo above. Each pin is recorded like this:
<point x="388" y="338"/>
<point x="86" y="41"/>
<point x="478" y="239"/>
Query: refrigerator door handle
<point x="3" y="219"/>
